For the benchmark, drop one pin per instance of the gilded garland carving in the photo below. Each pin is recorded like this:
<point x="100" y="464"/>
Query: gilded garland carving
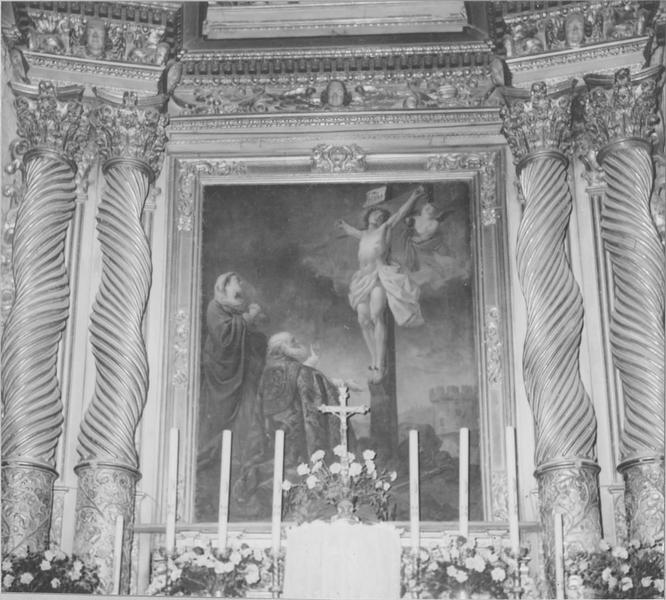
<point x="499" y="496"/>
<point x="188" y="176"/>
<point x="493" y="343"/>
<point x="104" y="492"/>
<point x="573" y="491"/>
<point x="27" y="498"/>
<point x="564" y="418"/>
<point x="644" y="500"/>
<point x="329" y="158"/>
<point x="181" y="348"/>
<point x="483" y="162"/>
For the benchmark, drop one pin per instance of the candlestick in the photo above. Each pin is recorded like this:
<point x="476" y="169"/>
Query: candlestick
<point x="512" y="490"/>
<point x="223" y="508"/>
<point x="463" y="479"/>
<point x="277" y="491"/>
<point x="172" y="491"/>
<point x="117" y="553"/>
<point x="559" y="557"/>
<point x="414" y="489"/>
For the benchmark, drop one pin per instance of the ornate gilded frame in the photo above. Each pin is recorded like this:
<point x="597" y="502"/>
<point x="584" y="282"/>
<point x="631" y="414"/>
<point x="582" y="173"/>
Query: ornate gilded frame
<point x="336" y="147"/>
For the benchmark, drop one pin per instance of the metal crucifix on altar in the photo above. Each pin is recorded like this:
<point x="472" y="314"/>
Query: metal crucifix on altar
<point x="344" y="412"/>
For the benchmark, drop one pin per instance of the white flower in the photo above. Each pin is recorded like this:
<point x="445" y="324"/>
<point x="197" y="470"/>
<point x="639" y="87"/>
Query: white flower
<point x="659" y="584"/>
<point x="311" y="482"/>
<point x="75" y="574"/>
<point x="286" y="485"/>
<point x="605" y="574"/>
<point x="355" y="469"/>
<point x="223" y="566"/>
<point x="77" y="565"/>
<point x="7" y="580"/>
<point x="60" y="555"/>
<point x="626" y="583"/>
<point x="317" y="456"/>
<point x="493" y="558"/>
<point x="460" y="576"/>
<point x="646" y="581"/>
<point x="350" y="457"/>
<point x="316" y="467"/>
<point x="386" y="486"/>
<point x="624" y="568"/>
<point x="379" y="484"/>
<point x="335" y="468"/>
<point x="620" y="552"/>
<point x="6" y="565"/>
<point x="393" y="476"/>
<point x="604" y="545"/>
<point x="339" y="450"/>
<point x="45" y="565"/>
<point x="252" y="574"/>
<point x="302" y="469"/>
<point x="368" y="454"/>
<point x="370" y="467"/>
<point x="478" y="564"/>
<point x="635" y="544"/>
<point x="258" y="554"/>
<point x="612" y="582"/>
<point x="498" y="574"/>
<point x="26" y="578"/>
<point x="55" y="583"/>
<point x="235" y="557"/>
<point x="451" y="571"/>
<point x="583" y="565"/>
<point x="49" y="555"/>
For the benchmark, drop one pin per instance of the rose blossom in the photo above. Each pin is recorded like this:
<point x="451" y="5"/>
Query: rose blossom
<point x="286" y="485"/>
<point x="26" y="578"/>
<point x="45" y="565"/>
<point x="355" y="469"/>
<point x="302" y="469"/>
<point x="368" y="454"/>
<point x="7" y="580"/>
<point x="311" y="482"/>
<point x="317" y="456"/>
<point x="498" y="574"/>
<point x="335" y="468"/>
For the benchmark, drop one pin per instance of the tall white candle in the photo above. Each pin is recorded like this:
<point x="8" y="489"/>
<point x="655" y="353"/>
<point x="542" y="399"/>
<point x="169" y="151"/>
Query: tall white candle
<point x="414" y="489"/>
<point x="118" y="554"/>
<point x="559" y="557"/>
<point x="463" y="482"/>
<point x="512" y="490"/>
<point x="277" y="491"/>
<point x="172" y="491"/>
<point x="225" y="473"/>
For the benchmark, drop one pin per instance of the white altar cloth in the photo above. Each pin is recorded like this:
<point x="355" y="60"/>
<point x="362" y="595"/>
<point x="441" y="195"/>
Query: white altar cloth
<point x="335" y="560"/>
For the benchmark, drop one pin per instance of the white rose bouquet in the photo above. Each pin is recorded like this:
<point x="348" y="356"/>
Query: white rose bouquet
<point x="323" y="487"/>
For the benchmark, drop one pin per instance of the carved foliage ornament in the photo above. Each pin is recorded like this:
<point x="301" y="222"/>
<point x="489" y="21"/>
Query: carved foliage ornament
<point x="188" y="176"/>
<point x="52" y="118"/>
<point x="542" y="123"/>
<point x="328" y="158"/>
<point x="131" y="131"/>
<point x="620" y="106"/>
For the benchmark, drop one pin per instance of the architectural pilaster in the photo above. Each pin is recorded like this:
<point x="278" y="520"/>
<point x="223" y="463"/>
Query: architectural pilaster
<point x="538" y="131"/>
<point x="620" y="118"/>
<point x="52" y="130"/>
<point x="131" y="137"/>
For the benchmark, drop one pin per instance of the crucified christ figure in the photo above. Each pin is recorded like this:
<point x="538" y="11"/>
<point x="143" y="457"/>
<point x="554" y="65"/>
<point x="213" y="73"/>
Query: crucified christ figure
<point x="380" y="283"/>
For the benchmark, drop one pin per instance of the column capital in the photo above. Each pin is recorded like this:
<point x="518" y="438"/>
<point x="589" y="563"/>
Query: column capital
<point x="51" y="119"/>
<point x="537" y="120"/>
<point x="131" y="128"/>
<point x="621" y="106"/>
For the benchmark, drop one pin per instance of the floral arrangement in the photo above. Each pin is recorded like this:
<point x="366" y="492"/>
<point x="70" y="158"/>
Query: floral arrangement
<point x="48" y="571"/>
<point x="323" y="486"/>
<point x="632" y="571"/>
<point x="458" y="567"/>
<point x="229" y="573"/>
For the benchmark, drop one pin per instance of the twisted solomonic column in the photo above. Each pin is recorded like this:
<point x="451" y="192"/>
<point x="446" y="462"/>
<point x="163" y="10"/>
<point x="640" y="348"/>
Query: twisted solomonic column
<point x="620" y="117"/>
<point x="52" y="129"/>
<point x="537" y="132"/>
<point x="131" y="139"/>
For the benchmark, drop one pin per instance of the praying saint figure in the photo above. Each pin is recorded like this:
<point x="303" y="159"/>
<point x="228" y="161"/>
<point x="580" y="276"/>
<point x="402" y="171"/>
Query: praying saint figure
<point x="380" y="283"/>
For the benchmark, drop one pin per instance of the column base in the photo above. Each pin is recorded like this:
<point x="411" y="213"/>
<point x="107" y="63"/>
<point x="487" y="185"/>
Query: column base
<point x="104" y="492"/>
<point x="569" y="487"/>
<point x="644" y="498"/>
<point x="27" y="500"/>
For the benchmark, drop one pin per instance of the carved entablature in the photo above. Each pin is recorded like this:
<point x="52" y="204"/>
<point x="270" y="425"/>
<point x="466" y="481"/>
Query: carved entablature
<point x="131" y="128"/>
<point x="137" y="32"/>
<point x="621" y="105"/>
<point x="542" y="123"/>
<point x="51" y="118"/>
<point x="340" y="79"/>
<point x="571" y="25"/>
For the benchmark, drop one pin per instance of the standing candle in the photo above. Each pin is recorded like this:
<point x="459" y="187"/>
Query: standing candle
<point x="277" y="491"/>
<point x="172" y="491"/>
<point x="118" y="553"/>
<point x="414" y="489"/>
<point x="512" y="490"/>
<point x="559" y="557"/>
<point x="463" y="482"/>
<point x="225" y="472"/>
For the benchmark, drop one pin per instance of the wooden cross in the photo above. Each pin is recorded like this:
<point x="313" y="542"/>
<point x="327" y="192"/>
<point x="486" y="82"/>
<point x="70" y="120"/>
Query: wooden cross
<point x="343" y="412"/>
